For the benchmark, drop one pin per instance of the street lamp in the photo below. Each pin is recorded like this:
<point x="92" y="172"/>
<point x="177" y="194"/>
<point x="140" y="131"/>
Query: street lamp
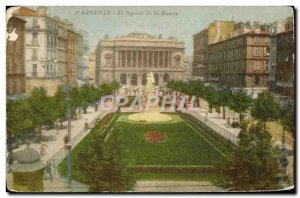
<point x="66" y="89"/>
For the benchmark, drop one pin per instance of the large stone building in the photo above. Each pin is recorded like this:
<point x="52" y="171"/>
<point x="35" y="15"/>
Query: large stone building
<point x="46" y="50"/>
<point x="15" y="64"/>
<point x="285" y="64"/>
<point x="219" y="31"/>
<point x="83" y="74"/>
<point x="128" y="59"/>
<point x="241" y="61"/>
<point x="216" y="31"/>
<point x="200" y="42"/>
<point x="92" y="68"/>
<point x="274" y="28"/>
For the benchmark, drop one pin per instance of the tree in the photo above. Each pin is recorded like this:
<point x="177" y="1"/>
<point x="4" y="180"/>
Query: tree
<point x="60" y="105"/>
<point x="18" y="117"/>
<point x="84" y="94"/>
<point x="102" y="164"/>
<point x="75" y="100"/>
<point x="42" y="108"/>
<point x="254" y="164"/>
<point x="288" y="120"/>
<point x="90" y="162"/>
<point x="265" y="108"/>
<point x="224" y="100"/>
<point x="211" y="97"/>
<point x="240" y="102"/>
<point x="115" y="171"/>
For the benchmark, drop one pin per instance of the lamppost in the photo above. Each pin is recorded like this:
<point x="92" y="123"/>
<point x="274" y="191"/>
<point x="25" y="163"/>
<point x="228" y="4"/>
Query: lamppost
<point x="66" y="90"/>
<point x="284" y="152"/>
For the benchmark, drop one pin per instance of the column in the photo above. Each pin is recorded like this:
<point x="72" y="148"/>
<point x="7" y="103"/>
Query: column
<point x="131" y="58"/>
<point x="128" y="82"/>
<point x="126" y="58"/>
<point x="158" y="57"/>
<point x="142" y="58"/>
<point x="170" y="59"/>
<point x="120" y="58"/>
<point x="147" y="59"/>
<point x="153" y="54"/>
<point x="163" y="62"/>
<point x="136" y="58"/>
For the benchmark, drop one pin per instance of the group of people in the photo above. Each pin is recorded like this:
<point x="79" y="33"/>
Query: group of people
<point x="234" y="124"/>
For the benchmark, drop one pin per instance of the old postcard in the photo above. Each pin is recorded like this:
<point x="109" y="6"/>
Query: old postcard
<point x="150" y="99"/>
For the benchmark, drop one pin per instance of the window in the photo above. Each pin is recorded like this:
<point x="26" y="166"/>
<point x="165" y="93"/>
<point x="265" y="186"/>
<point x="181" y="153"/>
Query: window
<point x="166" y="77"/>
<point x="34" y="22"/>
<point x="34" y="39"/>
<point x="257" y="80"/>
<point x="144" y="79"/>
<point x="266" y="65"/>
<point x="134" y="79"/>
<point x="256" y="51"/>
<point x="256" y="65"/>
<point x="123" y="79"/>
<point x="257" y="39"/>
<point x="34" y="35"/>
<point x="34" y="54"/>
<point x="34" y="70"/>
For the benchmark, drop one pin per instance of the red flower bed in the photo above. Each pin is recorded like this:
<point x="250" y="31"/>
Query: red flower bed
<point x="154" y="136"/>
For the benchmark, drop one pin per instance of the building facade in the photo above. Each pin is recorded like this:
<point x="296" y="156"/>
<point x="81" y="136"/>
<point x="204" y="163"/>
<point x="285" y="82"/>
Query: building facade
<point x="128" y="60"/>
<point x="40" y="50"/>
<point x="274" y="28"/>
<point x="285" y="64"/>
<point x="83" y="72"/>
<point x="92" y="68"/>
<point x="241" y="61"/>
<point x="219" y="31"/>
<point x="46" y="50"/>
<point x="200" y="42"/>
<point x="15" y="63"/>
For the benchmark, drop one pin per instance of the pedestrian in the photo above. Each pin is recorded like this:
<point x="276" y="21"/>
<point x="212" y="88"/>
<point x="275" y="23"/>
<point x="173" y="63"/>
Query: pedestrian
<point x="228" y="122"/>
<point x="48" y="171"/>
<point x="43" y="149"/>
<point x="233" y="123"/>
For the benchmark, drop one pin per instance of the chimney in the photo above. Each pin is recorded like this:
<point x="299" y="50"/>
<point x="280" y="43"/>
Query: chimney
<point x="42" y="11"/>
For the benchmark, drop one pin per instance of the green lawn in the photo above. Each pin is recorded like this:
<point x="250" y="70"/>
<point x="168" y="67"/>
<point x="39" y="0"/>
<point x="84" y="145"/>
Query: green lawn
<point x="187" y="144"/>
<point x="183" y="146"/>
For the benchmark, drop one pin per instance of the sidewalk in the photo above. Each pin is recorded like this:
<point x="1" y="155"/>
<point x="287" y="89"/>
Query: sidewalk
<point x="55" y="144"/>
<point x="176" y="186"/>
<point x="55" y="138"/>
<point x="216" y="122"/>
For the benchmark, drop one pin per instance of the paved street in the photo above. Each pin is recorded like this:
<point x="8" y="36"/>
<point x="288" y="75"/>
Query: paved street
<point x="176" y="186"/>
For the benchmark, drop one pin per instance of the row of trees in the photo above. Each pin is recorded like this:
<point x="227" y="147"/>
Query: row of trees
<point x="255" y="164"/>
<point x="263" y="109"/>
<point x="237" y="101"/>
<point x="26" y="117"/>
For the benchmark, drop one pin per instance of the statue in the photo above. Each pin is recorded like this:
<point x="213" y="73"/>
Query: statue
<point x="150" y="82"/>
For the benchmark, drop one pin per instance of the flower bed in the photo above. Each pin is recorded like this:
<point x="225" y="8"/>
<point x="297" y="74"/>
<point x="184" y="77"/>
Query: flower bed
<point x="154" y="136"/>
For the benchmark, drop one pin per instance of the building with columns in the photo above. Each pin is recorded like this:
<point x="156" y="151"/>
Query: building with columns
<point x="128" y="59"/>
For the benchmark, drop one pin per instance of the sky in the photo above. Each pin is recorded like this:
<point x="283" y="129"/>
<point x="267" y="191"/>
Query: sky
<point x="182" y="23"/>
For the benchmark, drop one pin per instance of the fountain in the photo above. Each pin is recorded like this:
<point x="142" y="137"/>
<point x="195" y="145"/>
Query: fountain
<point x="153" y="115"/>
